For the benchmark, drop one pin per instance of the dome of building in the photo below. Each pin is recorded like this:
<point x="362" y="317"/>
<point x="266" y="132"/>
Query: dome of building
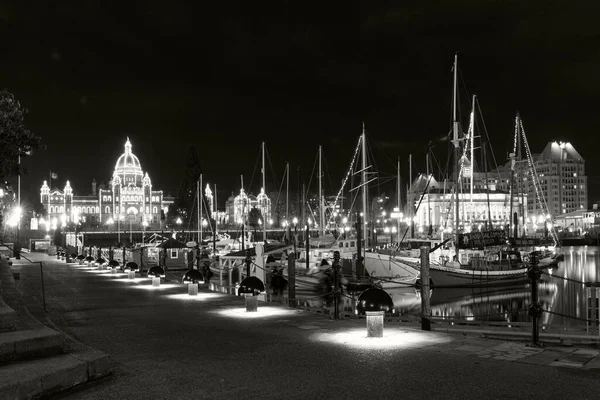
<point x="128" y="167"/>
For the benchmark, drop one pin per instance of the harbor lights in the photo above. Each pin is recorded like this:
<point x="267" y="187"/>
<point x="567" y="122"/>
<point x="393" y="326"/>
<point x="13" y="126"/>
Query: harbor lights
<point x="193" y="277"/>
<point x="375" y="303"/>
<point x="113" y="264"/>
<point x="250" y="288"/>
<point x="130" y="268"/>
<point x="156" y="273"/>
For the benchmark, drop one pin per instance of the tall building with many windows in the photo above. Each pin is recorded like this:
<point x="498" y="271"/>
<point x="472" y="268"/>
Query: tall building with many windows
<point x="129" y="198"/>
<point x="561" y="173"/>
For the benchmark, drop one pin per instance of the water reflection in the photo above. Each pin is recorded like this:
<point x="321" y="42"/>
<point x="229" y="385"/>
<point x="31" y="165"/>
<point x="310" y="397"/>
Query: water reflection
<point x="562" y="292"/>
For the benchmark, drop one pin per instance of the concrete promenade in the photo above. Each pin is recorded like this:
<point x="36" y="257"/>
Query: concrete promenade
<point x="167" y="345"/>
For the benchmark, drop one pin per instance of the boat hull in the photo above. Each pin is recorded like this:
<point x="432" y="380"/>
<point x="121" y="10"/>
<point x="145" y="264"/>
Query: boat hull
<point x="459" y="277"/>
<point x="391" y="271"/>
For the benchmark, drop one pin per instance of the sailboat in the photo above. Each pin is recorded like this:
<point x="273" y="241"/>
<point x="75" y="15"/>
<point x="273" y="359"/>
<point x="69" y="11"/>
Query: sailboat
<point x="385" y="270"/>
<point x="500" y="267"/>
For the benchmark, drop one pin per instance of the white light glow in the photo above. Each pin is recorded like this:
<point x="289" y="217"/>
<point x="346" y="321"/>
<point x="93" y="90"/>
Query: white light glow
<point x="393" y="338"/>
<point x="161" y="287"/>
<point x="262" y="312"/>
<point x="134" y="280"/>
<point x="199" y="297"/>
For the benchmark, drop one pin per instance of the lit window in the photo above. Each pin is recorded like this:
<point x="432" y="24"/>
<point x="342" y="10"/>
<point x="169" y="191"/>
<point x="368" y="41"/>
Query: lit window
<point x="174" y="253"/>
<point x="107" y="210"/>
<point x="154" y="210"/>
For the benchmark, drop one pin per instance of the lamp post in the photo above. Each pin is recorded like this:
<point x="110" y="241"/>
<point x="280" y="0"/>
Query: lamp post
<point x="18" y="244"/>
<point x="132" y="212"/>
<point x="144" y="225"/>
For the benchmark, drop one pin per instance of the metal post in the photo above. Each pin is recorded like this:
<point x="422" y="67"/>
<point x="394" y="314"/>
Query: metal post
<point x="18" y="244"/>
<point x="336" y="284"/>
<point x="248" y="263"/>
<point x="292" y="280"/>
<point x="425" y="289"/>
<point x="43" y="289"/>
<point x="535" y="309"/>
<point x="307" y="244"/>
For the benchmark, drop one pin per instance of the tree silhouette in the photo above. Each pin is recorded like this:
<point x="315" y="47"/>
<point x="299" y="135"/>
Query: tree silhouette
<point x="15" y="138"/>
<point x="183" y="205"/>
<point x="254" y="218"/>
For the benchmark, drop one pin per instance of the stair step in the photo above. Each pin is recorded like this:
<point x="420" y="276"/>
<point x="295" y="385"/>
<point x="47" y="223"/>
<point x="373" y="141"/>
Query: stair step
<point x="29" y="343"/>
<point x="7" y="316"/>
<point x="41" y="377"/>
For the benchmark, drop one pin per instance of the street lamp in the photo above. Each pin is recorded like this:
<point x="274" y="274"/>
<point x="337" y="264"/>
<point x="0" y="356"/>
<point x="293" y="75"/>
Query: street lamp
<point x="145" y="225"/>
<point x="132" y="212"/>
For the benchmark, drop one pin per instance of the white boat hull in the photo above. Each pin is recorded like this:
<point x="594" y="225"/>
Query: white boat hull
<point x="390" y="271"/>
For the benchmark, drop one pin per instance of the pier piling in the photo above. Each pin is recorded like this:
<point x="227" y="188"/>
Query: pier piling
<point x="425" y="289"/>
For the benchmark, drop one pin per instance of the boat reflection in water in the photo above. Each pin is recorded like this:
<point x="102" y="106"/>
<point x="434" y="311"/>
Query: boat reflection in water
<point x="487" y="304"/>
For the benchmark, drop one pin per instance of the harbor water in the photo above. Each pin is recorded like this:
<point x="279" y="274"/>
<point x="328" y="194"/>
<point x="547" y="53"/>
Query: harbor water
<point x="564" y="294"/>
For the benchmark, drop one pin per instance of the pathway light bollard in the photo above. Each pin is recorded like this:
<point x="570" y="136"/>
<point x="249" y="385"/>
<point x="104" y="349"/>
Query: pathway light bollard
<point x="113" y="264"/>
<point x="375" y="303"/>
<point x="375" y="323"/>
<point x="250" y="288"/>
<point x="130" y="268"/>
<point x="193" y="277"/>
<point x="156" y="273"/>
<point x="534" y="273"/>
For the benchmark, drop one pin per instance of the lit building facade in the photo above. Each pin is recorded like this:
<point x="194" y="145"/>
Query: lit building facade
<point x="238" y="207"/>
<point x="129" y="198"/>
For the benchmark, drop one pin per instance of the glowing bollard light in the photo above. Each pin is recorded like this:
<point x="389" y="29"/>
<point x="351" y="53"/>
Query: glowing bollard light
<point x="375" y="323"/>
<point x="113" y="264"/>
<point x="100" y="263"/>
<point x="89" y="260"/>
<point x="193" y="277"/>
<point x="374" y="303"/>
<point x="130" y="268"/>
<point x="156" y="273"/>
<point x="80" y="258"/>
<point x="250" y="288"/>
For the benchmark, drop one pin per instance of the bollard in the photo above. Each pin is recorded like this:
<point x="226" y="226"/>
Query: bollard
<point x="113" y="270"/>
<point x="425" y="304"/>
<point x="535" y="309"/>
<point x="292" y="280"/>
<point x="374" y="323"/>
<point x="155" y="281"/>
<point x="337" y="284"/>
<point x="251" y="302"/>
<point x="131" y="275"/>
<point x="193" y="289"/>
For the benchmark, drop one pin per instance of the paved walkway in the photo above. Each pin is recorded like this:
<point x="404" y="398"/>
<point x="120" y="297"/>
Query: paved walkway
<point x="167" y="344"/>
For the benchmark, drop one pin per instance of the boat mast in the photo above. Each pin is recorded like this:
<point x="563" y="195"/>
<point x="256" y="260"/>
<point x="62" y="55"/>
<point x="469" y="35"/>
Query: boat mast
<point x="264" y="187"/>
<point x="364" y="186"/>
<point x="216" y="213"/>
<point x="456" y="142"/>
<point x="321" y="209"/>
<point x="200" y="203"/>
<point x="287" y="190"/>
<point x="472" y="148"/>
<point x="429" y="230"/>
<point x="409" y="199"/>
<point x="399" y="199"/>
<point x="199" y="207"/>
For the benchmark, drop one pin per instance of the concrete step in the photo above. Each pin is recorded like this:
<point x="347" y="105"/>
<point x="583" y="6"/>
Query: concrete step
<point x="29" y="343"/>
<point x="42" y="377"/>
<point x="7" y="317"/>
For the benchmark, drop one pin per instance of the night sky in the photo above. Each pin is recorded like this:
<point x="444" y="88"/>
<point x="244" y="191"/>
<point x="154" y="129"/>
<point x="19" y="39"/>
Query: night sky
<point x="297" y="74"/>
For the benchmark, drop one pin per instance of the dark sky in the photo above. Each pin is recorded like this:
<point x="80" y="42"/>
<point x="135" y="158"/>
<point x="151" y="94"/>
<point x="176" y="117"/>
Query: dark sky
<point x="296" y="74"/>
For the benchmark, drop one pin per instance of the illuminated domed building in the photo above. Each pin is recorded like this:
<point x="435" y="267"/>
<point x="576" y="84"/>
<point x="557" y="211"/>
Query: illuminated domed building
<point x="129" y="198"/>
<point x="238" y="207"/>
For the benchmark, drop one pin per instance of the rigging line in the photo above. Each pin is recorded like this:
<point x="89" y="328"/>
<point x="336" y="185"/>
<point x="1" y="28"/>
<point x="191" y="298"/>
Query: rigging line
<point x="270" y="162"/>
<point x="487" y="136"/>
<point x="254" y="171"/>
<point x="280" y="189"/>
<point x="348" y="172"/>
<point x="313" y="172"/>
